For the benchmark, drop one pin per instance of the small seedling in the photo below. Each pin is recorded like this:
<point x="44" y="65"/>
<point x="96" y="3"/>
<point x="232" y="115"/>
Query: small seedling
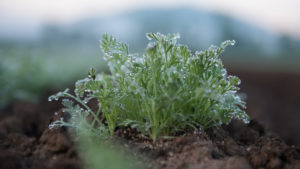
<point x="166" y="90"/>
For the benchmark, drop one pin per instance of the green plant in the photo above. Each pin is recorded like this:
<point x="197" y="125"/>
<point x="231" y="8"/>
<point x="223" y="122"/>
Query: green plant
<point x="166" y="90"/>
<point x="97" y="153"/>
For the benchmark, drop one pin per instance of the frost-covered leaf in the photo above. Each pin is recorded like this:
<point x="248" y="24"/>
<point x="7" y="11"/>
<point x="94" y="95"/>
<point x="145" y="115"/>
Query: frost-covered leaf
<point x="58" y="95"/>
<point x="166" y="90"/>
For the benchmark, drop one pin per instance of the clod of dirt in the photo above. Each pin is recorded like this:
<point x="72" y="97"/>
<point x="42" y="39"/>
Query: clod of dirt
<point x="26" y="142"/>
<point x="236" y="146"/>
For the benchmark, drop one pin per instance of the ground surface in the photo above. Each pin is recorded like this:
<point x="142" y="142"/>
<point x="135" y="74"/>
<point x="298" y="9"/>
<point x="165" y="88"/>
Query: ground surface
<point x="273" y="100"/>
<point x="237" y="146"/>
<point x="26" y="142"/>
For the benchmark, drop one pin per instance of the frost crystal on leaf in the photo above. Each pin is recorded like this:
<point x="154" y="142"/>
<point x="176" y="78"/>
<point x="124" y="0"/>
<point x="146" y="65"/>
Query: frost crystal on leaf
<point x="165" y="90"/>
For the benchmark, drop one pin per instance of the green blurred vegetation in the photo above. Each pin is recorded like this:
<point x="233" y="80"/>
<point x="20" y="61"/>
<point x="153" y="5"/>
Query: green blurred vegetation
<point x="99" y="154"/>
<point x="27" y="71"/>
<point x="62" y="53"/>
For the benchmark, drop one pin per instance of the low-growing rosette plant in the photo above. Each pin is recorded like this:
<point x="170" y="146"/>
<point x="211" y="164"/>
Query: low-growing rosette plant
<point x="166" y="90"/>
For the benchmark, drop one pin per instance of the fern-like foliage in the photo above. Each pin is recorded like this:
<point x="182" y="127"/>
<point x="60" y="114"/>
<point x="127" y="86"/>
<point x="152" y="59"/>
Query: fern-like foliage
<point x="166" y="90"/>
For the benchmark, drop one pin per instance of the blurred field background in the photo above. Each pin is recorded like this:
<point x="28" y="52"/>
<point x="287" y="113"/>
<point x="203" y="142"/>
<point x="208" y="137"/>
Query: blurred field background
<point x="47" y="46"/>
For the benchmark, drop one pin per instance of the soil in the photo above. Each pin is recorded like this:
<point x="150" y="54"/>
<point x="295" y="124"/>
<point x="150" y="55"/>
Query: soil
<point x="26" y="142"/>
<point x="273" y="100"/>
<point x="236" y="146"/>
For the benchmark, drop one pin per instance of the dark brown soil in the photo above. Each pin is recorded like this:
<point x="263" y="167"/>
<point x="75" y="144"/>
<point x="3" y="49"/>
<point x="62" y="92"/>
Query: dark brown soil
<point x="236" y="146"/>
<point x="27" y="143"/>
<point x="273" y="100"/>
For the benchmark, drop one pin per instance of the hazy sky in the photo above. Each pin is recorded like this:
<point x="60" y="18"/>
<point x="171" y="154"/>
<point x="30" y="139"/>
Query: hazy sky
<point x="275" y="15"/>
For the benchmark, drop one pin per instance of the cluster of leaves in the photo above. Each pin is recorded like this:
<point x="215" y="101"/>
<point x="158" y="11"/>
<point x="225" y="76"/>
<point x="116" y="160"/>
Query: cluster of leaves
<point x="166" y="90"/>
